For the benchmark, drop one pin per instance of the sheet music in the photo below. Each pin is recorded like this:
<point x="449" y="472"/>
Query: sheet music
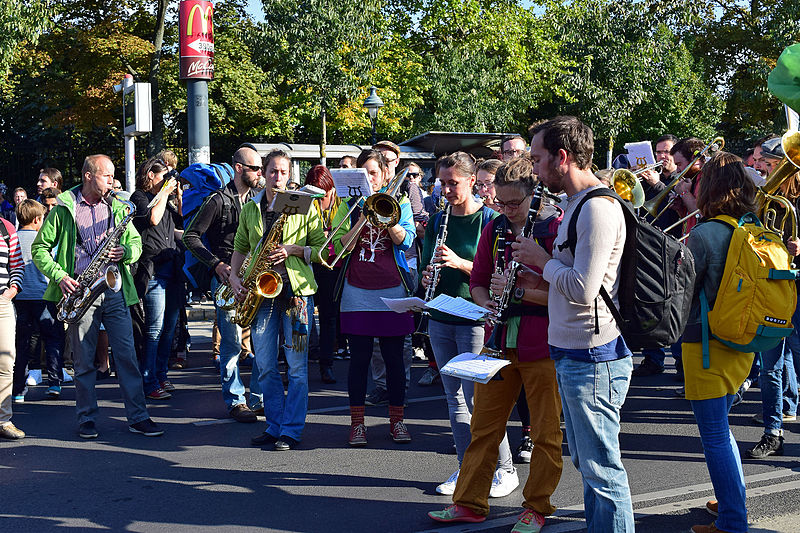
<point x="474" y="367"/>
<point x="404" y="305"/>
<point x="640" y="154"/>
<point x="351" y="182"/>
<point x="457" y="307"/>
<point x="292" y="202"/>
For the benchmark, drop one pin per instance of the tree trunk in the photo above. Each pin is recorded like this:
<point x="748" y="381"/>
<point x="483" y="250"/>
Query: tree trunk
<point x="157" y="135"/>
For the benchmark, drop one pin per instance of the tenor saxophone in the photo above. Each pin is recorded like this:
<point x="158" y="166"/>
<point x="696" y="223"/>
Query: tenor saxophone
<point x="261" y="280"/>
<point x="99" y="275"/>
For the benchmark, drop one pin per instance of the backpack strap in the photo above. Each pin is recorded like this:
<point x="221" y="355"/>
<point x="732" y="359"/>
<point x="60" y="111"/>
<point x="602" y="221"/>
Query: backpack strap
<point x="704" y="330"/>
<point x="572" y="239"/>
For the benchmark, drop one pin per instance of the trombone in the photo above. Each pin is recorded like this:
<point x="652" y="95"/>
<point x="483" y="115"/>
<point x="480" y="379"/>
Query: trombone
<point x="380" y="209"/>
<point x="652" y="205"/>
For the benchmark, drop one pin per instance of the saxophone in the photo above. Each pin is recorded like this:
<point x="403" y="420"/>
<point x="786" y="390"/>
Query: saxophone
<point x="224" y="298"/>
<point x="99" y="275"/>
<point x="261" y="281"/>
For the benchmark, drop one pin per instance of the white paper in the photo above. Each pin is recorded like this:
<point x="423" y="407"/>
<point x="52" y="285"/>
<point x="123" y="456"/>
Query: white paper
<point x="292" y="202"/>
<point x="404" y="305"/>
<point x="474" y="367"/>
<point x="640" y="154"/>
<point x="351" y="182"/>
<point x="457" y="307"/>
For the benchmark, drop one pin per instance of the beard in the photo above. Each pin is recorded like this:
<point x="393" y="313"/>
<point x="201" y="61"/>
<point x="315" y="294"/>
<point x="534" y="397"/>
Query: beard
<point x="554" y="178"/>
<point x="252" y="181"/>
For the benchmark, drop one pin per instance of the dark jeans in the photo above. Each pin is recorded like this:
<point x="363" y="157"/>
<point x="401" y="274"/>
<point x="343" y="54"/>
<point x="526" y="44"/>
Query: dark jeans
<point x="360" y="357"/>
<point x="328" y="311"/>
<point x="39" y="316"/>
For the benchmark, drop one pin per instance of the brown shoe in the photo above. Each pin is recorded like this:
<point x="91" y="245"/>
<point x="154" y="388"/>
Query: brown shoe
<point x="10" y="431"/>
<point x="712" y="506"/>
<point x="711" y="528"/>
<point x="242" y="413"/>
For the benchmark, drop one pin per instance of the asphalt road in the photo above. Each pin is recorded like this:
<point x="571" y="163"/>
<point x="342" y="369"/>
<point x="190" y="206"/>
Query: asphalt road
<point x="203" y="475"/>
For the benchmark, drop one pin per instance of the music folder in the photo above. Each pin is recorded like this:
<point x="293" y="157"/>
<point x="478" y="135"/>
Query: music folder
<point x="473" y="367"/>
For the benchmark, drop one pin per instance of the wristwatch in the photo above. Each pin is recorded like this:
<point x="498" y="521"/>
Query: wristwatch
<point x="519" y="293"/>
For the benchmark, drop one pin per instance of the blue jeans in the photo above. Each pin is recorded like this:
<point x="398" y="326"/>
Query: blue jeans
<point x="230" y="345"/>
<point x="448" y="341"/>
<point x="38" y="315"/>
<point x="723" y="461"/>
<point x="285" y="413"/>
<point x="777" y="370"/>
<point x="793" y="343"/>
<point x="658" y="355"/>
<point x="161" y="306"/>
<point x="592" y="395"/>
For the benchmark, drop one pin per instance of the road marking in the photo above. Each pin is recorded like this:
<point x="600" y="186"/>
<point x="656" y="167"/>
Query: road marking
<point x="644" y="512"/>
<point x="320" y="411"/>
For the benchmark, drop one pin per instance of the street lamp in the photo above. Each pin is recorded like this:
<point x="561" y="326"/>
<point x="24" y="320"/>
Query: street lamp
<point x="373" y="103"/>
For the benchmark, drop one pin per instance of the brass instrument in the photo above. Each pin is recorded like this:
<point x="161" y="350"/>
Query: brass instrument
<point x="766" y="197"/>
<point x="652" y="205"/>
<point x="260" y="280"/>
<point x="654" y="166"/>
<point x="627" y="185"/>
<point x="100" y="274"/>
<point x="381" y="210"/>
<point x="224" y="298"/>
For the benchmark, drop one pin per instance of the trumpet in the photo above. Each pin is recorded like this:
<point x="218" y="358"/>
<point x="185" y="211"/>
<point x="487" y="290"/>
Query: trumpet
<point x="381" y="209"/>
<point x="652" y="205"/>
<point x="658" y="167"/>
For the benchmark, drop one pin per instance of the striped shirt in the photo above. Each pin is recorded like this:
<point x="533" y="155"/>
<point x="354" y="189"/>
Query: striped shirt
<point x="11" y="264"/>
<point x="94" y="222"/>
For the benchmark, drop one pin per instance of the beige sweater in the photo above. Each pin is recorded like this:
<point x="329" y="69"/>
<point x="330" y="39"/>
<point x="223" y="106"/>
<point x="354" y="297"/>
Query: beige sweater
<point x="575" y="281"/>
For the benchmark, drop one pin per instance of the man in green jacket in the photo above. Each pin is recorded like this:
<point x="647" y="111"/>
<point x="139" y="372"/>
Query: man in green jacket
<point x="65" y="246"/>
<point x="300" y="240"/>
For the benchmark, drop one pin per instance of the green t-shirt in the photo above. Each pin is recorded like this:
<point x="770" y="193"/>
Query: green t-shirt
<point x="463" y="234"/>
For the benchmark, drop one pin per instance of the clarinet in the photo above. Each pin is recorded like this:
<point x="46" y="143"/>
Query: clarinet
<point x="441" y="237"/>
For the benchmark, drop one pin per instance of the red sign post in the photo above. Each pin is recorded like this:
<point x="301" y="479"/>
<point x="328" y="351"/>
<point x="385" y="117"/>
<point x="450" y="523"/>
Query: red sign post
<point x="196" y="40"/>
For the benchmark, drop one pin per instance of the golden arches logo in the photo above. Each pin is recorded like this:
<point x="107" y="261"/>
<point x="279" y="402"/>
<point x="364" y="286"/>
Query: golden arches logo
<point x="205" y="18"/>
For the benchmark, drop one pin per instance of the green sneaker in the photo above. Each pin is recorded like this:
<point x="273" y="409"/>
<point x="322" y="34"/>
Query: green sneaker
<point x="456" y="513"/>
<point x="529" y="522"/>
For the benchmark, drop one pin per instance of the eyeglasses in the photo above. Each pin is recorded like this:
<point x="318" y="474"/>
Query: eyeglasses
<point x="413" y="175"/>
<point x="512" y="205"/>
<point x="512" y="153"/>
<point x="254" y="168"/>
<point x="488" y="185"/>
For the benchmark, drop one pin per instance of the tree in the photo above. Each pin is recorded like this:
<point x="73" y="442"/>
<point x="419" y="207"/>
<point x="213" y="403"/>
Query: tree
<point x="22" y="21"/>
<point x="320" y="52"/>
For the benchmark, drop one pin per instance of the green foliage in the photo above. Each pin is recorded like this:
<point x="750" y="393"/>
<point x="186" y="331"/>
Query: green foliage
<point x="21" y="21"/>
<point x="633" y="69"/>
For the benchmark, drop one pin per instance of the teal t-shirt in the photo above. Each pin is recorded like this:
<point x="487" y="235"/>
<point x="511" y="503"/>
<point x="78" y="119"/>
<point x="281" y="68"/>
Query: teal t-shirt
<point x="463" y="233"/>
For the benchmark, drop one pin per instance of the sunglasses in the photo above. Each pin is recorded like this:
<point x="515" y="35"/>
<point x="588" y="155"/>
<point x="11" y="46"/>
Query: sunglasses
<point x="254" y="168"/>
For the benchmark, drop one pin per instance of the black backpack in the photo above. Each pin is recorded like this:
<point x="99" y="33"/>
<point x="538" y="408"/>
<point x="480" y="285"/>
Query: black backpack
<point x="657" y="280"/>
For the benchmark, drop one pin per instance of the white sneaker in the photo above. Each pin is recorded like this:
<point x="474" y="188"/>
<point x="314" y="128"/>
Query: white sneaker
<point x="503" y="483"/>
<point x="449" y="487"/>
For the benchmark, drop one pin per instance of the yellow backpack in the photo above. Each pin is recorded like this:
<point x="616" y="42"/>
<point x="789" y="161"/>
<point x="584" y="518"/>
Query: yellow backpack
<point x="757" y="295"/>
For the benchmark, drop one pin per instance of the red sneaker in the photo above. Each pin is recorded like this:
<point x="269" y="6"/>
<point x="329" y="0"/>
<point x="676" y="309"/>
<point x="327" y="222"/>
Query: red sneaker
<point x="159" y="394"/>
<point x="456" y="513"/>
<point x="400" y="432"/>
<point x="358" y="435"/>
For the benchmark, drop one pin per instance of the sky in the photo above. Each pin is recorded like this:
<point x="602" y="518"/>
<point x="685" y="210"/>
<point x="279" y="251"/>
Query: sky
<point x="255" y="8"/>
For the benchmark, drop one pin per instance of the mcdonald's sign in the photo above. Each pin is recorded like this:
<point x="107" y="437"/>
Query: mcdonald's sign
<point x="196" y="39"/>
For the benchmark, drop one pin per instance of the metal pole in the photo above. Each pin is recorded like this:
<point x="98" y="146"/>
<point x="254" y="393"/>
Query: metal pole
<point x="130" y="147"/>
<point x="374" y="130"/>
<point x="197" y="111"/>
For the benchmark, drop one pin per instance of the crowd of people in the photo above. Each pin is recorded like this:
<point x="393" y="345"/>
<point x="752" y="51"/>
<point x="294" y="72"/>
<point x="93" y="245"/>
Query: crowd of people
<point x="89" y="270"/>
